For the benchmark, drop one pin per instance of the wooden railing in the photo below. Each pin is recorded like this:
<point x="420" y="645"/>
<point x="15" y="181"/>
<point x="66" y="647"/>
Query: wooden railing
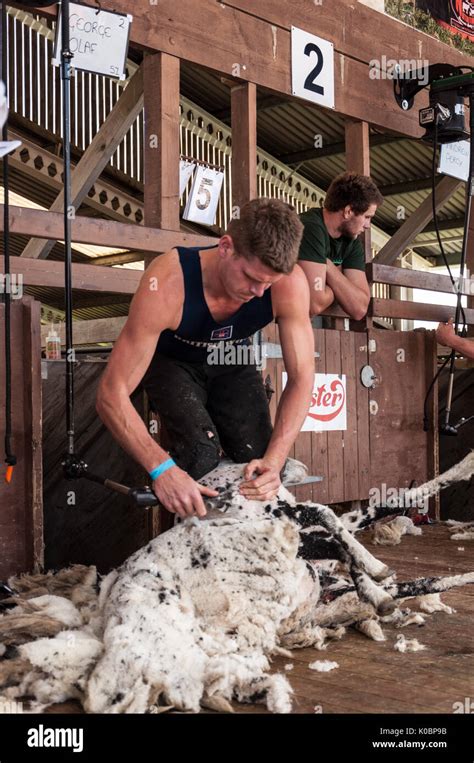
<point x="416" y="279"/>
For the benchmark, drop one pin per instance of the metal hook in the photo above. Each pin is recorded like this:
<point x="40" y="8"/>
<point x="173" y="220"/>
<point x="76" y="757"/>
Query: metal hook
<point x="99" y="8"/>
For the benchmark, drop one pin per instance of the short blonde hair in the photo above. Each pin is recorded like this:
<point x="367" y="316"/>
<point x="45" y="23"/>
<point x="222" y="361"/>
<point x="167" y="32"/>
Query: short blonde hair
<point x="270" y="230"/>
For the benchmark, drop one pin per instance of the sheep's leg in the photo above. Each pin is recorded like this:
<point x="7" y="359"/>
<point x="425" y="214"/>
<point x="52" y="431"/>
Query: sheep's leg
<point x="409" y="588"/>
<point x="424" y="586"/>
<point x="369" y="592"/>
<point x="313" y="546"/>
<point x="362" y="558"/>
<point x="411" y="498"/>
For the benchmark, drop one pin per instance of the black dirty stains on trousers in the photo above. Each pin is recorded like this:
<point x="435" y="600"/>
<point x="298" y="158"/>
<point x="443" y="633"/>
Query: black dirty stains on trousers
<point x="208" y="411"/>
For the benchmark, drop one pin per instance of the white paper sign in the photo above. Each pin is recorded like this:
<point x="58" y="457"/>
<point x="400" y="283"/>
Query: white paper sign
<point x="454" y="159"/>
<point x="7" y="146"/>
<point x="98" y="41"/>
<point x="185" y="171"/>
<point x="328" y="408"/>
<point x="202" y="201"/>
<point x="312" y="68"/>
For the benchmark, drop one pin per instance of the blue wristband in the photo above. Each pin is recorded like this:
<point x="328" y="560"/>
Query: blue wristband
<point x="158" y="470"/>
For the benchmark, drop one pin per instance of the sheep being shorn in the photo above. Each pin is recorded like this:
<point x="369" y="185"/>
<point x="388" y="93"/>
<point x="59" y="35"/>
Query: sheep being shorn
<point x="192" y="619"/>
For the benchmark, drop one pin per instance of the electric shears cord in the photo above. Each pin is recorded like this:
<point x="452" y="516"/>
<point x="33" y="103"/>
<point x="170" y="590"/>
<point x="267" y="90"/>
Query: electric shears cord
<point x="457" y="289"/>
<point x="73" y="466"/>
<point x="10" y="457"/>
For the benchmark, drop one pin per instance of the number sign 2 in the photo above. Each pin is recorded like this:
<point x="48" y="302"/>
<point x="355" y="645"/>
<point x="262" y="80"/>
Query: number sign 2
<point x="312" y="68"/>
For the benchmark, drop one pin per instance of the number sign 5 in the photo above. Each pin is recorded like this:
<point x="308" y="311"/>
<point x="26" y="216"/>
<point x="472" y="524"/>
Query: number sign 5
<point x="312" y="68"/>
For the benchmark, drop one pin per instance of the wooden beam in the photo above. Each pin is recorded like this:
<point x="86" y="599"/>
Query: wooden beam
<point x="117" y="259"/>
<point x="85" y="230"/>
<point x="256" y="36"/>
<point x="89" y="332"/>
<point x="412" y="279"/>
<point x="96" y="156"/>
<point x="355" y="29"/>
<point x="161" y="185"/>
<point x="87" y="277"/>
<point x="390" y="308"/>
<point x="257" y="39"/>
<point x="416" y="222"/>
<point x="244" y="143"/>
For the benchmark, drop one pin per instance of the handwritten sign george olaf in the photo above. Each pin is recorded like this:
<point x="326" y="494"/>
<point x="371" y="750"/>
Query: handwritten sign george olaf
<point x="328" y="408"/>
<point x="312" y="68"/>
<point x="98" y="40"/>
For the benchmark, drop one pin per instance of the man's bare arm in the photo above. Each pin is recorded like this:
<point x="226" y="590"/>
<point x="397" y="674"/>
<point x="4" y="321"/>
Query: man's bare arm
<point x="291" y="303"/>
<point x="321" y="295"/>
<point x="350" y="288"/>
<point x="152" y="310"/>
<point x="446" y="336"/>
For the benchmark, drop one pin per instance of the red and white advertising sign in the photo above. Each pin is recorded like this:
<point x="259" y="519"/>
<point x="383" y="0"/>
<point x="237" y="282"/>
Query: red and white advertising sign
<point x="328" y="409"/>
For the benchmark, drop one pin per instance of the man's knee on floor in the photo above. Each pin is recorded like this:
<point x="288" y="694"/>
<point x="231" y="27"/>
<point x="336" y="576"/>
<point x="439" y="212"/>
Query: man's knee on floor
<point x="202" y="456"/>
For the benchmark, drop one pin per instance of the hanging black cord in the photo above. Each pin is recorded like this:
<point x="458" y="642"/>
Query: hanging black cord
<point x="446" y="427"/>
<point x="10" y="457"/>
<point x="425" y="404"/>
<point x="66" y="56"/>
<point x="459" y="307"/>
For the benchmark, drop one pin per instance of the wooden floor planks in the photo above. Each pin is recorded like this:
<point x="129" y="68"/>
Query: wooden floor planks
<point x="374" y="678"/>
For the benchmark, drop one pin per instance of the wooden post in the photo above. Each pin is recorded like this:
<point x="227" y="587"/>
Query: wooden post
<point x="161" y="93"/>
<point x="395" y="292"/>
<point x="34" y="456"/>
<point x="21" y="501"/>
<point x="244" y="143"/>
<point x="357" y="147"/>
<point x="161" y="198"/>
<point x="358" y="160"/>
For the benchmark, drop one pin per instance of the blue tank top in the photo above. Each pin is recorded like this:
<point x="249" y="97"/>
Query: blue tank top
<point x="198" y="332"/>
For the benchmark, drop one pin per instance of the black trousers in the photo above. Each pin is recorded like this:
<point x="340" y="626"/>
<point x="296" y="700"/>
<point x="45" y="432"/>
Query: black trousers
<point x="210" y="410"/>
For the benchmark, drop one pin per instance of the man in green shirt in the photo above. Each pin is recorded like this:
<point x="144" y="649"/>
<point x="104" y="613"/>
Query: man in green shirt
<point x="331" y="254"/>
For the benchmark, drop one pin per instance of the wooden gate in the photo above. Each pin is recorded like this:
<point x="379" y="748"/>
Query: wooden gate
<point x="401" y="451"/>
<point x="384" y="442"/>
